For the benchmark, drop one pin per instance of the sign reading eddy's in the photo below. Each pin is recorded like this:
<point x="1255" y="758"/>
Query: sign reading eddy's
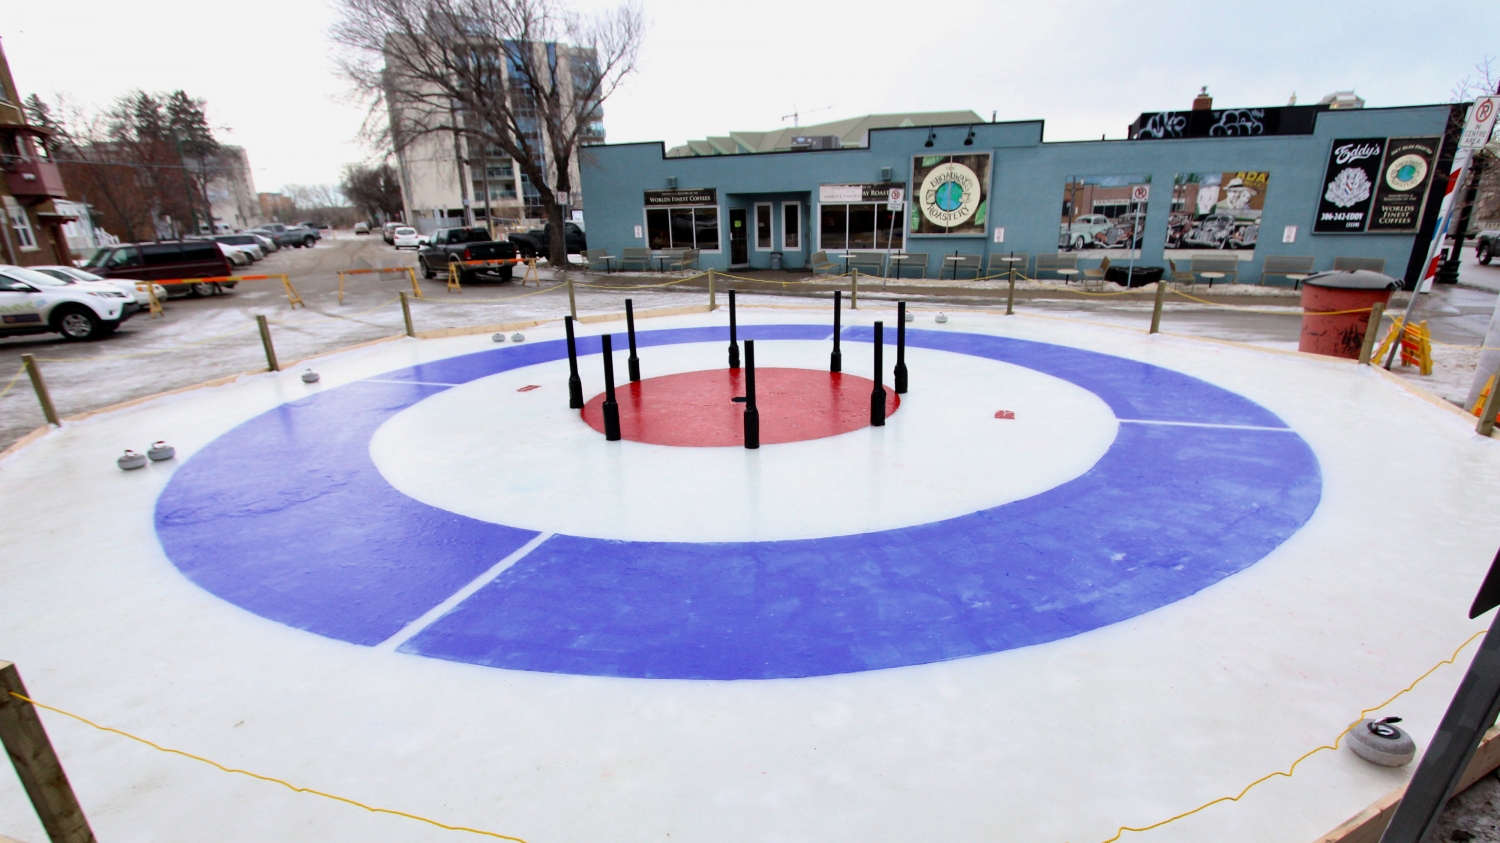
<point x="1349" y="185"/>
<point x="686" y="196"/>
<point x="950" y="193"/>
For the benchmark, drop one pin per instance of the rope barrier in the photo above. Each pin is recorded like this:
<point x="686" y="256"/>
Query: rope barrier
<point x="1120" y="832"/>
<point x="640" y="286"/>
<point x="16" y="377"/>
<point x="271" y="779"/>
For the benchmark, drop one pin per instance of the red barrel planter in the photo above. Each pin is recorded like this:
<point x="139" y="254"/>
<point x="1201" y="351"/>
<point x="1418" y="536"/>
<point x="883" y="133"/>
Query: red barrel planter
<point x="1327" y="326"/>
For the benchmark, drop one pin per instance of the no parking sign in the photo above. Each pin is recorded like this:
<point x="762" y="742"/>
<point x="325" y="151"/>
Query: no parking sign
<point x="1480" y="123"/>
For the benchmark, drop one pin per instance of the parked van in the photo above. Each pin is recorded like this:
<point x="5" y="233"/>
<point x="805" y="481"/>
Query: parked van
<point x="168" y="260"/>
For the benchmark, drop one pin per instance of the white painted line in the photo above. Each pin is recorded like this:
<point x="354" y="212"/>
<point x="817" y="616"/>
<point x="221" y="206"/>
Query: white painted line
<point x="415" y="383"/>
<point x="484" y="579"/>
<point x="1205" y="424"/>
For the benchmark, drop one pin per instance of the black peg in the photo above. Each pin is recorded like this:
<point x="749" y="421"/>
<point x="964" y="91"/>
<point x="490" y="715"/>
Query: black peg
<point x="611" y="409"/>
<point x="836" y="360"/>
<point x="900" y="348"/>
<point x="752" y="414"/>
<point x="633" y="363"/>
<point x="575" y="385"/>
<point x="877" y="396"/>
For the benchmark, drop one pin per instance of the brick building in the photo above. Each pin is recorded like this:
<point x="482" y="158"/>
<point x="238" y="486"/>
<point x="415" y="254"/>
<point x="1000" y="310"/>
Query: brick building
<point x="32" y="232"/>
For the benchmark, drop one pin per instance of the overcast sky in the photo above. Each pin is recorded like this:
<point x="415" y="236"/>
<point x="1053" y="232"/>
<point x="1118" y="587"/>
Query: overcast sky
<point x="1087" y="68"/>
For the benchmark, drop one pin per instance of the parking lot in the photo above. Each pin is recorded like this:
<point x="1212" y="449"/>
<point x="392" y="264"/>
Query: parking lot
<point x="201" y="339"/>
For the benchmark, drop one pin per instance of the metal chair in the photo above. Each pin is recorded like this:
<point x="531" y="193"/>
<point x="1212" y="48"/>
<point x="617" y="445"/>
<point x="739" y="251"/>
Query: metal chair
<point x="687" y="260"/>
<point x="819" y="263"/>
<point x="1227" y="268"/>
<point x="869" y="263"/>
<point x="1186" y="279"/>
<point x="913" y="260"/>
<point x="1286" y="266"/>
<point x="1372" y="264"/>
<point x="1056" y="264"/>
<point x="998" y="265"/>
<point x="1093" y="279"/>
<point x="597" y="259"/>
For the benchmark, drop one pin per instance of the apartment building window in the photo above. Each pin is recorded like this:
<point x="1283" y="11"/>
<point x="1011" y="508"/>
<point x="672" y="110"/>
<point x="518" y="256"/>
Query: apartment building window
<point x="21" y="225"/>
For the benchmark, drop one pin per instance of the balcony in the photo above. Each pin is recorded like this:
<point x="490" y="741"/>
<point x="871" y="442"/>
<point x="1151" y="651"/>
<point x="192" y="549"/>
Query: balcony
<point x="33" y="178"/>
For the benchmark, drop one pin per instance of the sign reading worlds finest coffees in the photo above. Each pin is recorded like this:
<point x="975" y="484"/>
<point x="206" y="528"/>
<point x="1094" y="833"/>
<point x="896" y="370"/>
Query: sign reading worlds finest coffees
<point x="1405" y="178"/>
<point x="950" y="194"/>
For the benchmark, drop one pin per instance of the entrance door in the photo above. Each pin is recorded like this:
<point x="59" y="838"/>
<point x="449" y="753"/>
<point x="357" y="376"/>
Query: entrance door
<point x="739" y="238"/>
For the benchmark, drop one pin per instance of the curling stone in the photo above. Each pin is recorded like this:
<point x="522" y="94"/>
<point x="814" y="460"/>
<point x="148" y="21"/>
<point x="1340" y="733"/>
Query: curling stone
<point x="131" y="460"/>
<point x="517" y="337"/>
<point x="161" y="451"/>
<point x="1380" y="742"/>
<point x="309" y="376"/>
<point x="911" y="317"/>
<point x="942" y="317"/>
<point x="498" y="337"/>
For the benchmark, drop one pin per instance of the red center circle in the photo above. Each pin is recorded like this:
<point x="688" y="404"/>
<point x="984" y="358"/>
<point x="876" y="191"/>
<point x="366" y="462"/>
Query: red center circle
<point x="698" y="410"/>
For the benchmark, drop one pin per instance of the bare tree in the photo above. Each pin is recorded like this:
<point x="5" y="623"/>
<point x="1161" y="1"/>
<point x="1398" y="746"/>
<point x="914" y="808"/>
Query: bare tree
<point x="490" y="72"/>
<point x="1485" y="80"/>
<point x="376" y="190"/>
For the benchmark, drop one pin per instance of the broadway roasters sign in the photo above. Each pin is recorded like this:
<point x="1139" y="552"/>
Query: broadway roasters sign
<point x="1375" y="185"/>
<point x="687" y="196"/>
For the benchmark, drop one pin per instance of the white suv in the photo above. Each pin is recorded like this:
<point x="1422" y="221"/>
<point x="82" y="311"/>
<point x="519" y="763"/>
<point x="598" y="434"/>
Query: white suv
<point x="37" y="303"/>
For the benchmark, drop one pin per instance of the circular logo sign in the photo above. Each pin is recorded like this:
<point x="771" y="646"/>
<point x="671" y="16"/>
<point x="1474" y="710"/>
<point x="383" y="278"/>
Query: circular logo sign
<point x="1486" y="107"/>
<point x="950" y="195"/>
<point x="1406" y="172"/>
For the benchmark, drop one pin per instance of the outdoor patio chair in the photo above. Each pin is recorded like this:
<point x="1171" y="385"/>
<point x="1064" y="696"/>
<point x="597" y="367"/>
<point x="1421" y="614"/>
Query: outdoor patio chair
<point x="686" y="260"/>
<point x="869" y="263"/>
<point x="664" y="258"/>
<point x="913" y="262"/>
<point x="597" y="259"/>
<point x="1055" y="263"/>
<point x="965" y="263"/>
<point x="1186" y="279"/>
<point x="1228" y="268"/>
<point x="1372" y="264"/>
<point x="1283" y="266"/>
<point x="1093" y="279"/>
<point x="635" y="258"/>
<point x="998" y="267"/>
<point x="819" y="263"/>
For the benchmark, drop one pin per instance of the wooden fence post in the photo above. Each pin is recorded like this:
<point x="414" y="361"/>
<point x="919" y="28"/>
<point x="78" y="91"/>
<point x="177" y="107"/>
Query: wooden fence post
<point x="36" y="764"/>
<point x="854" y="291"/>
<point x="42" y="395"/>
<point x="712" y="303"/>
<point x="406" y="315"/>
<point x="265" y="340"/>
<point x="1377" y="312"/>
<point x="1161" y="295"/>
<point x="1010" y="298"/>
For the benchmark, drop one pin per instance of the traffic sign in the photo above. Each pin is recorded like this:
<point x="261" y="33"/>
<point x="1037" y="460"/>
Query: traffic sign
<point x="1140" y="193"/>
<point x="1480" y="123"/>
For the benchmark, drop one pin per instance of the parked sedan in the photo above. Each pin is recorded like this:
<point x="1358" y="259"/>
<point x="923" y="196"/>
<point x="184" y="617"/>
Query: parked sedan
<point x="135" y="289"/>
<point x="406" y="237"/>
<point x="236" y="255"/>
<point x="248" y="242"/>
<point x="361" y="228"/>
<point x="1487" y="245"/>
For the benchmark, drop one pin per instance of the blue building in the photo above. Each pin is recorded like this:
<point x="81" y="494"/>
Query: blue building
<point x="1249" y="183"/>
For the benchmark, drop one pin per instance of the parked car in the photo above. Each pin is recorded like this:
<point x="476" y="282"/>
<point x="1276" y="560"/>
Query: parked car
<point x="538" y="242"/>
<point x="1081" y="231"/>
<point x="467" y="244"/>
<point x="166" y="260"/>
<point x="1487" y="245"/>
<point x="361" y="228"/>
<point x="305" y="231"/>
<point x="236" y="255"/>
<point x="248" y="242"/>
<point x="315" y="226"/>
<point x="406" y="237"/>
<point x="388" y="231"/>
<point x="37" y="303"/>
<point x="135" y="289"/>
<point x="289" y="235"/>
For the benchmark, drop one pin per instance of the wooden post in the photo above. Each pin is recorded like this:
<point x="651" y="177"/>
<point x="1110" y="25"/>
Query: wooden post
<point x="1161" y="295"/>
<point x="1487" y="412"/>
<point x="854" y="291"/>
<point x="42" y="395"/>
<point x="406" y="315"/>
<point x="713" y="303"/>
<point x="572" y="303"/>
<point x="1377" y="312"/>
<point x="265" y="340"/>
<point x="36" y="764"/>
<point x="1010" y="300"/>
<point x="341" y="286"/>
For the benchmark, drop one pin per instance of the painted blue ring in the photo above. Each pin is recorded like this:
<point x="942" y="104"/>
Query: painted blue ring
<point x="286" y="516"/>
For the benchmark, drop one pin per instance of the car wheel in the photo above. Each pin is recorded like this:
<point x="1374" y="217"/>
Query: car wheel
<point x="77" y="324"/>
<point x="202" y="290"/>
<point x="309" y="241"/>
<point x="427" y="271"/>
<point x="1078" y="244"/>
<point x="1483" y="253"/>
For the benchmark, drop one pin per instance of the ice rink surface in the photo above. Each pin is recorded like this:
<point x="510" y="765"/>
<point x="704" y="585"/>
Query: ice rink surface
<point x="491" y="617"/>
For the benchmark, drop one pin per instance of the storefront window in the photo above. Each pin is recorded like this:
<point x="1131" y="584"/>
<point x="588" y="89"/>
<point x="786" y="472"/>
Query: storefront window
<point x="763" y="227"/>
<point x="791" y="226"/>
<point x="683" y="228"/>
<point x="860" y="225"/>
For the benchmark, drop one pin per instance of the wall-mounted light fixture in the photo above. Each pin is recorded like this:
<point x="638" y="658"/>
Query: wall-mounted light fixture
<point x="969" y="141"/>
<point x="931" y="134"/>
<point x="885" y="173"/>
<point x="671" y="182"/>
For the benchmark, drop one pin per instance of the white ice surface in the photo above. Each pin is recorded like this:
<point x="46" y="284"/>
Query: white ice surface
<point x="524" y="459"/>
<point x="1125" y="725"/>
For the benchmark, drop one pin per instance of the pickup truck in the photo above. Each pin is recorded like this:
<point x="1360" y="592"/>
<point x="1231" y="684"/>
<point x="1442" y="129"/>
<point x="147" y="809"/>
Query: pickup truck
<point x="288" y="235"/>
<point x="465" y="244"/>
<point x="537" y="243"/>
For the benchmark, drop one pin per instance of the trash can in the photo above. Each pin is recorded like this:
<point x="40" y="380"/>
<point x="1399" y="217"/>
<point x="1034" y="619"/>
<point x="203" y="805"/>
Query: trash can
<point x="776" y="261"/>
<point x="1327" y="327"/>
<point x="1139" y="276"/>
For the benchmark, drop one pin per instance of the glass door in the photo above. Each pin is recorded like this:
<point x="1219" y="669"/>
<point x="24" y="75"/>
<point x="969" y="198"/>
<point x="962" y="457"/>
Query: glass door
<point x="739" y="237"/>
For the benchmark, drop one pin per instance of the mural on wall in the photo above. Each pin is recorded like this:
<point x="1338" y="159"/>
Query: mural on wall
<point x="1216" y="212"/>
<point x="950" y="194"/>
<point x="1104" y="215"/>
<point x="1376" y="185"/>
